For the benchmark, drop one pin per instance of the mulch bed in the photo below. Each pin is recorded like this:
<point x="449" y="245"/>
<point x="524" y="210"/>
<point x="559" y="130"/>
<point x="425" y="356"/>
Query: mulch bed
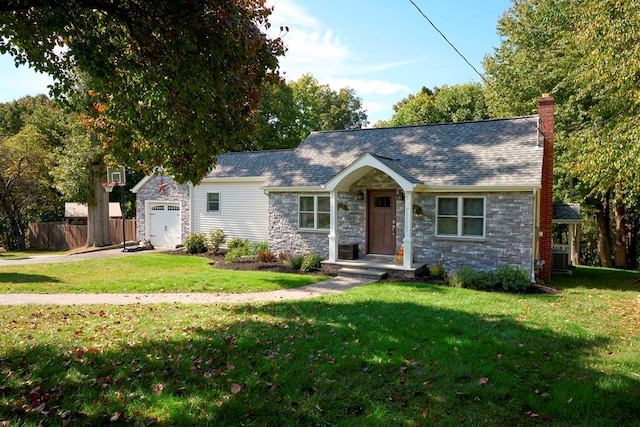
<point x="218" y="261"/>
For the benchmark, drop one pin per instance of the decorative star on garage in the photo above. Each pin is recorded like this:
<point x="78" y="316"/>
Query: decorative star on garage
<point x="162" y="186"/>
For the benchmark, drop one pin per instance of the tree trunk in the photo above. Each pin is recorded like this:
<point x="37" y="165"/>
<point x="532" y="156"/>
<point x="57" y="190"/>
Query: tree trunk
<point x="620" y="247"/>
<point x="18" y="240"/>
<point x="603" y="219"/>
<point x="98" y="212"/>
<point x="634" y="225"/>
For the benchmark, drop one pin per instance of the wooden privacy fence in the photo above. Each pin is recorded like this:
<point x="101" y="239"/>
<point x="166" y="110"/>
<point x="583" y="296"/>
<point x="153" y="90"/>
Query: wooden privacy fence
<point x="61" y="236"/>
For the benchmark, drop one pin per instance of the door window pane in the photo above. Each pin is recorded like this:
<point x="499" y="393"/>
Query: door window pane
<point x="382" y="201"/>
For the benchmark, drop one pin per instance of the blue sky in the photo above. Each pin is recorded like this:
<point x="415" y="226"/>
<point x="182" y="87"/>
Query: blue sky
<point x="383" y="49"/>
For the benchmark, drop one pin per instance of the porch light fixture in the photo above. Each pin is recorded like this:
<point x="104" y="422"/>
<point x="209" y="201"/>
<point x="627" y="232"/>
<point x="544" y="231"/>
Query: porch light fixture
<point x="400" y="195"/>
<point x="360" y="195"/>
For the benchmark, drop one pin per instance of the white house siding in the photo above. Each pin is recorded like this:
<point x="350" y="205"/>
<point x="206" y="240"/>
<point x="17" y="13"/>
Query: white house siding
<point x="243" y="212"/>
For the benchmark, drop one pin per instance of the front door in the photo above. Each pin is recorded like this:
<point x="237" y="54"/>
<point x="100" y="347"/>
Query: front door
<point x="381" y="226"/>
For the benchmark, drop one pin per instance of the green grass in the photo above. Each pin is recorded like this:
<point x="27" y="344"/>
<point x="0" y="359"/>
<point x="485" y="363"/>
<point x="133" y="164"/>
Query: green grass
<point x="142" y="273"/>
<point x="392" y="354"/>
<point x="15" y="255"/>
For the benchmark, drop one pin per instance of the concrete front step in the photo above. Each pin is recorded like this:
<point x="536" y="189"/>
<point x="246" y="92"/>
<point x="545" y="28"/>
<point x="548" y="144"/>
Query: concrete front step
<point x="362" y="272"/>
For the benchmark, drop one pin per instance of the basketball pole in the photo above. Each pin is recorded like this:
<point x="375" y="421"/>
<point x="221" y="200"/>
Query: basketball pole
<point x="124" y="237"/>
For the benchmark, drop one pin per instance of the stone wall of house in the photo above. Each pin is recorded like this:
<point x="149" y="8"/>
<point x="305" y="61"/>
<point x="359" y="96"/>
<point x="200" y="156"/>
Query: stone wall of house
<point x="508" y="240"/>
<point x="352" y="221"/>
<point x="284" y="235"/>
<point x="170" y="192"/>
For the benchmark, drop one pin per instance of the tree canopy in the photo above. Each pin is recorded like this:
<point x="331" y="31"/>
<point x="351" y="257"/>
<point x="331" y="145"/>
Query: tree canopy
<point x="289" y="112"/>
<point x="30" y="132"/>
<point x="455" y="103"/>
<point x="584" y="52"/>
<point x="177" y="81"/>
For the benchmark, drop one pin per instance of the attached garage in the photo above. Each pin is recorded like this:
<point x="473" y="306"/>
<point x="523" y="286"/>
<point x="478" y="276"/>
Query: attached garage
<point x="163" y="224"/>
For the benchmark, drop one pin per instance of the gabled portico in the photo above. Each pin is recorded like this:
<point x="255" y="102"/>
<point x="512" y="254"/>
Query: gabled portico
<point x="345" y="179"/>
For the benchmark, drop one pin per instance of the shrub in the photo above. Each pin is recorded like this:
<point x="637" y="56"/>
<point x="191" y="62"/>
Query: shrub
<point x="237" y="242"/>
<point x="239" y="252"/>
<point x="295" y="262"/>
<point x="256" y="248"/>
<point x="513" y="278"/>
<point x="216" y="239"/>
<point x="486" y="280"/>
<point x="195" y="243"/>
<point x="463" y="278"/>
<point x="311" y="261"/>
<point x="438" y="270"/>
<point x="266" y="256"/>
<point x="506" y="278"/>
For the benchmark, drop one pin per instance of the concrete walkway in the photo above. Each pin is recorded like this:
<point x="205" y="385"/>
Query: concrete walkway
<point x="331" y="286"/>
<point x="109" y="252"/>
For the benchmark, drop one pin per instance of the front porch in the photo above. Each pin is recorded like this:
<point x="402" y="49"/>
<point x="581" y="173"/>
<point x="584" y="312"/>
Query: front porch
<point x="370" y="202"/>
<point x="374" y="266"/>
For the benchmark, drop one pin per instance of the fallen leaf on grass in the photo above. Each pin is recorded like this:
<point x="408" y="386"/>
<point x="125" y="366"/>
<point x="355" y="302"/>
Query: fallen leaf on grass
<point x="235" y="388"/>
<point x="157" y="388"/>
<point x="483" y="380"/>
<point x="115" y="417"/>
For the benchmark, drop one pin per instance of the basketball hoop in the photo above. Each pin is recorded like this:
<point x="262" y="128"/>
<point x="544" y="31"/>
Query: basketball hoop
<point x="108" y="186"/>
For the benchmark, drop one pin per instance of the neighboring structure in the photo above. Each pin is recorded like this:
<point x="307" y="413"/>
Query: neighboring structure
<point x="566" y="246"/>
<point x="472" y="194"/>
<point x="77" y="213"/>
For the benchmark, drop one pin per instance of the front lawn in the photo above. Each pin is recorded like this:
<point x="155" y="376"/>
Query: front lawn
<point x="141" y="273"/>
<point x="386" y="354"/>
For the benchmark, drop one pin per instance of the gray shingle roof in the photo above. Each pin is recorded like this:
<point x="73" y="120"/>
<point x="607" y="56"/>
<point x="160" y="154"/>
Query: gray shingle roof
<point x="566" y="212"/>
<point x="501" y="152"/>
<point x="486" y="153"/>
<point x="249" y="164"/>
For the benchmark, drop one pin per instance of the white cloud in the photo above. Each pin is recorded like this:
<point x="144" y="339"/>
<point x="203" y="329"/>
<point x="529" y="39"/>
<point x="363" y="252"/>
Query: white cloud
<point x="316" y="48"/>
<point x="311" y="47"/>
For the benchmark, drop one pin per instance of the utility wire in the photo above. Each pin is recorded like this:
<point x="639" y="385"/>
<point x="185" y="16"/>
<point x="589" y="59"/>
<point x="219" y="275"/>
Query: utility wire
<point x="487" y="82"/>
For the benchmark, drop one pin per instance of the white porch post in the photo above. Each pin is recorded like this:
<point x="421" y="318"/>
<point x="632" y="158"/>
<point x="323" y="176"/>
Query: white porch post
<point x="408" y="226"/>
<point x="333" y="228"/>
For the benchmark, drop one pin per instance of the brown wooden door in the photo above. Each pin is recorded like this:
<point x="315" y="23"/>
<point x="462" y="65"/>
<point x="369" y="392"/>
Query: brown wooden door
<point x="381" y="225"/>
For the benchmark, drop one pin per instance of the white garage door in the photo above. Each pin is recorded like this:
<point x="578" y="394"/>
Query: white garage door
<point x="164" y="224"/>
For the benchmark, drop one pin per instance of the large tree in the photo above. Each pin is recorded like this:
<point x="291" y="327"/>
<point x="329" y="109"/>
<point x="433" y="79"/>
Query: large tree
<point x="178" y="81"/>
<point x="585" y="53"/>
<point x="318" y="107"/>
<point x="289" y="112"/>
<point x="455" y="103"/>
<point x="26" y="158"/>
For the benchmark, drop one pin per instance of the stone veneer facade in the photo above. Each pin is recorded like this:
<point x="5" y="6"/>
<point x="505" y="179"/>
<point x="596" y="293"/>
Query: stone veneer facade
<point x="508" y="240"/>
<point x="173" y="192"/>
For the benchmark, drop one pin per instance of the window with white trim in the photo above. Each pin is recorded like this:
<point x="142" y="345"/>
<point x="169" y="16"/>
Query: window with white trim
<point x="213" y="202"/>
<point x="314" y="212"/>
<point x="460" y="216"/>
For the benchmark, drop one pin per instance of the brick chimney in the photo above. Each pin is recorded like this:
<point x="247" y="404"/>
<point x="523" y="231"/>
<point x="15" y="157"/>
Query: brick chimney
<point x="545" y="112"/>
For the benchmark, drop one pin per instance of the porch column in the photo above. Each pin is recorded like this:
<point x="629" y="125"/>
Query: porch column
<point x="408" y="226"/>
<point x="333" y="228"/>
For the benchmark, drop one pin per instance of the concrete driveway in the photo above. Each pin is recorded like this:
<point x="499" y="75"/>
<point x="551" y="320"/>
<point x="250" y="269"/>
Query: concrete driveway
<point x="90" y="254"/>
